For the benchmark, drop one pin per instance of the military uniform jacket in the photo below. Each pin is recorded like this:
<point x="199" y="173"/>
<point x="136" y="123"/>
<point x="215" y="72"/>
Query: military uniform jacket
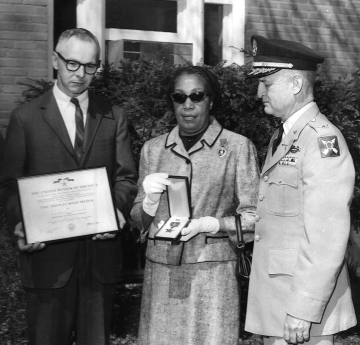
<point x="220" y="187"/>
<point x="301" y="232"/>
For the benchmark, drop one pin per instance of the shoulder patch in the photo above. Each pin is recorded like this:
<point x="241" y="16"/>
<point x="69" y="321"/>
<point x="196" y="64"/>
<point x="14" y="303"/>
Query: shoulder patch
<point x="329" y="146"/>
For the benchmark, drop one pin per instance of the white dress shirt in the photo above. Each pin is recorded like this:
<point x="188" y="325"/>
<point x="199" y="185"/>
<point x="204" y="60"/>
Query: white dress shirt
<point x="67" y="109"/>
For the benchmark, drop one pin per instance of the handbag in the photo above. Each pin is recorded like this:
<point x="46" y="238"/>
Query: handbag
<point x="243" y="252"/>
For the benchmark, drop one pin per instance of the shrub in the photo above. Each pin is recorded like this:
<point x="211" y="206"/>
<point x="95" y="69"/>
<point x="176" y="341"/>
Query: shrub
<point x="140" y="88"/>
<point x="12" y="297"/>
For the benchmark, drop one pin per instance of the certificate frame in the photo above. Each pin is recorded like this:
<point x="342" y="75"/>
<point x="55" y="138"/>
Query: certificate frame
<point x="66" y="205"/>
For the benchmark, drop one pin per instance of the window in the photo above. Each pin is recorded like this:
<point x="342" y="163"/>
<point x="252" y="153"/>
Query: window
<point x="175" y="53"/>
<point x="147" y="15"/>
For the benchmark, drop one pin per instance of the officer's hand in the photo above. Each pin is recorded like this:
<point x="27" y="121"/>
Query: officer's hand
<point x="296" y="331"/>
<point x="21" y="243"/>
<point x="106" y="235"/>
<point x="202" y="224"/>
<point x="154" y="185"/>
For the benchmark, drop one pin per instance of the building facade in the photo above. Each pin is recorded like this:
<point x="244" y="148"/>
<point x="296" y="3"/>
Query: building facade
<point x="175" y="30"/>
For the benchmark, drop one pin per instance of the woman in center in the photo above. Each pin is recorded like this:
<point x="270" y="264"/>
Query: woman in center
<point x="190" y="293"/>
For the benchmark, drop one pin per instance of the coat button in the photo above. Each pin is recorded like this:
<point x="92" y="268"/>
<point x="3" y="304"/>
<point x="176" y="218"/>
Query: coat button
<point x="257" y="217"/>
<point x="261" y="197"/>
<point x="266" y="178"/>
<point x="257" y="238"/>
<point x="280" y="180"/>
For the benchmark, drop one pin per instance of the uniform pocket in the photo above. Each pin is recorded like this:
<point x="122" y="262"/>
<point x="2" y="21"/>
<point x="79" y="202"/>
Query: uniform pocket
<point x="283" y="197"/>
<point x="282" y="261"/>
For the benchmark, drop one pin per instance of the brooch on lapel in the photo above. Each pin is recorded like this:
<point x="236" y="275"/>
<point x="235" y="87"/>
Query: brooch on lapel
<point x="222" y="150"/>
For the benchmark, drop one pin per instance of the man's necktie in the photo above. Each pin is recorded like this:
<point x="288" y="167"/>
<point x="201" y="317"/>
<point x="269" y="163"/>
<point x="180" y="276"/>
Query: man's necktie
<point x="278" y="139"/>
<point x="79" y="137"/>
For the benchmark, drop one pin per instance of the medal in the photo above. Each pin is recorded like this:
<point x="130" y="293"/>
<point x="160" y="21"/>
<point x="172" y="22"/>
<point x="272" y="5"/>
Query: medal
<point x="222" y="150"/>
<point x="294" y="149"/>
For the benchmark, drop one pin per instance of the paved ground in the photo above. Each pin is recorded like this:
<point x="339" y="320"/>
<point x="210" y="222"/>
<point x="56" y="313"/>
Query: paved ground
<point x="127" y="313"/>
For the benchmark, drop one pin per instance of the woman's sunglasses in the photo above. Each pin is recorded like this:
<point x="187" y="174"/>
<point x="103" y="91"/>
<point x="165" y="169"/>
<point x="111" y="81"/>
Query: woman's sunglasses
<point x="195" y="97"/>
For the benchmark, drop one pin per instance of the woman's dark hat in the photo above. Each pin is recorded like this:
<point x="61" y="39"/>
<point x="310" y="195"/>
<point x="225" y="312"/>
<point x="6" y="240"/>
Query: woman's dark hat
<point x="270" y="56"/>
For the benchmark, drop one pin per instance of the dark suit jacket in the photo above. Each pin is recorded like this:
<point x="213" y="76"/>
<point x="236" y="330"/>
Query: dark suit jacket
<point x="37" y="143"/>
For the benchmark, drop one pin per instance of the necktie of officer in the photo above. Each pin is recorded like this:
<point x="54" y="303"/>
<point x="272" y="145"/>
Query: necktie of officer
<point x="79" y="136"/>
<point x="278" y="139"/>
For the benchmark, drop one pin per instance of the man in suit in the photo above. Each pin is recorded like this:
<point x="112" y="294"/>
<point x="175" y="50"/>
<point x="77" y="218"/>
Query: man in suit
<point x="70" y="284"/>
<point x="299" y="288"/>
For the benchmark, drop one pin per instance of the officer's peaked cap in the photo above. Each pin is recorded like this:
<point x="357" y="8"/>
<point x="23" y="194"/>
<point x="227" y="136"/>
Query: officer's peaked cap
<point x="272" y="55"/>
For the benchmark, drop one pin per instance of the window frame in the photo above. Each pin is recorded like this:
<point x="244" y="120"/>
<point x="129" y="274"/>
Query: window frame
<point x="233" y="22"/>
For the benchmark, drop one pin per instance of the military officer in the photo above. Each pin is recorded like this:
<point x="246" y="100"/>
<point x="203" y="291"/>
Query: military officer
<point x="299" y="288"/>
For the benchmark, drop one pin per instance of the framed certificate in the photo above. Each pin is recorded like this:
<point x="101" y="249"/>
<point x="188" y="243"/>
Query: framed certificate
<point x="178" y="193"/>
<point x="67" y="204"/>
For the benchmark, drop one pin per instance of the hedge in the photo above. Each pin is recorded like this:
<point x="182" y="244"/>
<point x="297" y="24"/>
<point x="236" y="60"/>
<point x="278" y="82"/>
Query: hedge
<point x="140" y="88"/>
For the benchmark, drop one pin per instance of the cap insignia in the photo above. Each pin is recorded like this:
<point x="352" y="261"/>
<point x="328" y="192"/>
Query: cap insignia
<point x="254" y="48"/>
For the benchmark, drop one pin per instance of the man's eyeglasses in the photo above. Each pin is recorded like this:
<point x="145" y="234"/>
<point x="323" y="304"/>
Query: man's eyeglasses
<point x="195" y="97"/>
<point x="73" y="66"/>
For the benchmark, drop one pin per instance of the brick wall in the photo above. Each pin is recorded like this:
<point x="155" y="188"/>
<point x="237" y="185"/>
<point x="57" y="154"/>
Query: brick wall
<point x="331" y="27"/>
<point x="23" y="49"/>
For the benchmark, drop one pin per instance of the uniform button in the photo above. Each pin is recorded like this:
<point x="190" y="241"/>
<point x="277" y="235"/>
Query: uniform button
<point x="257" y="238"/>
<point x="261" y="197"/>
<point x="266" y="178"/>
<point x="280" y="180"/>
<point x="257" y="217"/>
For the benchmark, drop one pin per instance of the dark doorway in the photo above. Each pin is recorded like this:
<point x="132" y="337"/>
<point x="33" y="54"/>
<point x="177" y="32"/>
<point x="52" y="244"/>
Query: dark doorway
<point x="64" y="18"/>
<point x="213" y="34"/>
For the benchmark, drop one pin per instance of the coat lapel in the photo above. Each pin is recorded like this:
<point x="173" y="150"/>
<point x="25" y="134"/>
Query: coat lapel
<point x="209" y="138"/>
<point x="174" y="143"/>
<point x="52" y="116"/>
<point x="290" y="138"/>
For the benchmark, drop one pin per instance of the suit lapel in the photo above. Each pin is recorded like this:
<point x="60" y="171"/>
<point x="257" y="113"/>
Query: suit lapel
<point x="52" y="116"/>
<point x="92" y="123"/>
<point x="289" y="139"/>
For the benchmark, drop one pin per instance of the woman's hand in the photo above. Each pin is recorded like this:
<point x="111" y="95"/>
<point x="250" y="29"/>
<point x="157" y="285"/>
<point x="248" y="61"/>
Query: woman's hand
<point x="154" y="185"/>
<point x="202" y="224"/>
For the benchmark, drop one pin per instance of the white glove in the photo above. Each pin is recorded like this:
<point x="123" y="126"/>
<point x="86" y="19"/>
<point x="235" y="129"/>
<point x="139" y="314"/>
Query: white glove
<point x="154" y="185"/>
<point x="202" y="224"/>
